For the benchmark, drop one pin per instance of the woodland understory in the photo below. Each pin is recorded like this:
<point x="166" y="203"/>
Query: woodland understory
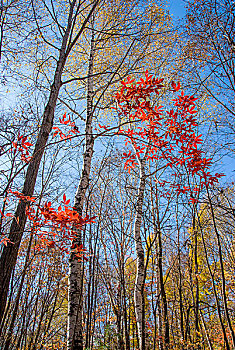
<point x="117" y="205"/>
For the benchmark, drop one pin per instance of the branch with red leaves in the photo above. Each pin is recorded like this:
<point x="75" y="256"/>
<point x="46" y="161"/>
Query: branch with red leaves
<point x="65" y="121"/>
<point x="167" y="136"/>
<point x="53" y="227"/>
<point x="21" y="146"/>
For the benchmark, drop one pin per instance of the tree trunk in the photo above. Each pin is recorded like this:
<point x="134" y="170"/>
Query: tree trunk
<point x="120" y="342"/>
<point x="155" y="216"/>
<point x="75" y="293"/>
<point x="126" y="331"/>
<point x="163" y="292"/>
<point x="140" y="273"/>
<point x="162" y="314"/>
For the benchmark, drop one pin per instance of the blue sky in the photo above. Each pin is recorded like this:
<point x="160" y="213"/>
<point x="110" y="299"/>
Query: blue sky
<point x="177" y="8"/>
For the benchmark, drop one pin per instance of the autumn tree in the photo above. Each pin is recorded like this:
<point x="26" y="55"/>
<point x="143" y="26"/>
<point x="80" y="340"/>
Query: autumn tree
<point x="105" y="31"/>
<point x="135" y="103"/>
<point x="10" y="252"/>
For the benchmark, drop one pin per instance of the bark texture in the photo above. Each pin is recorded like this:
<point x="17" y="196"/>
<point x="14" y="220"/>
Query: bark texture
<point x="75" y="297"/>
<point x="155" y="218"/>
<point x="140" y="273"/>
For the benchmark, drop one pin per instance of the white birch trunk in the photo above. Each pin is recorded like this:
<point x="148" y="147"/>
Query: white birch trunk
<point x="75" y="293"/>
<point x="140" y="273"/>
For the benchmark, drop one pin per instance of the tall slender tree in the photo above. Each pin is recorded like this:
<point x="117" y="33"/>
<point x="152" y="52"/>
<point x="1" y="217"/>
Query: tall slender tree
<point x="10" y="252"/>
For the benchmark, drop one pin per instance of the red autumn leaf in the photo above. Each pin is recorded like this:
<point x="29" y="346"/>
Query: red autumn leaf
<point x="193" y="200"/>
<point x="175" y="87"/>
<point x="28" y="144"/>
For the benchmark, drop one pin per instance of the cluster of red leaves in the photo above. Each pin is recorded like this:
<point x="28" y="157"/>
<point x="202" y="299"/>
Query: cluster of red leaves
<point x="22" y="145"/>
<point x="169" y="136"/>
<point x="53" y="227"/>
<point x="65" y="121"/>
<point x="22" y="197"/>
